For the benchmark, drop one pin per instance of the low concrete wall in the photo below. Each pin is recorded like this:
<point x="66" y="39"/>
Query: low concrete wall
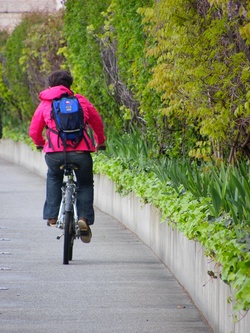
<point x="184" y="258"/>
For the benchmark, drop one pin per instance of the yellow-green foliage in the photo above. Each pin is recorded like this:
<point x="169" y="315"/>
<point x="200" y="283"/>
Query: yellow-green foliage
<point x="15" y="78"/>
<point x="43" y="51"/>
<point x="5" y="94"/>
<point x="176" y="69"/>
<point x="202" y="67"/>
<point x="83" y="22"/>
<point x="30" y="54"/>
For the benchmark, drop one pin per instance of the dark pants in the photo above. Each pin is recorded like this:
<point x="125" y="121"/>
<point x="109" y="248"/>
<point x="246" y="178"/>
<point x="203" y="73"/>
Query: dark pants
<point x="85" y="184"/>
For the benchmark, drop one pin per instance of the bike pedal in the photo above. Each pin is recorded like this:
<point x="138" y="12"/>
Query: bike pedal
<point x="59" y="237"/>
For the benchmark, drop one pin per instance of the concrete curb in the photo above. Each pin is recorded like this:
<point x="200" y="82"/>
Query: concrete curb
<point x="183" y="257"/>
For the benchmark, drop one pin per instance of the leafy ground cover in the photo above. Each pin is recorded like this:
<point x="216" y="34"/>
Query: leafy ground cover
<point x="192" y="211"/>
<point x="182" y="195"/>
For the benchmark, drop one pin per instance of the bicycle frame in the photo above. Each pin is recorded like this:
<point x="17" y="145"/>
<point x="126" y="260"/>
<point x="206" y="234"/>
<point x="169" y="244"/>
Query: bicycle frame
<point x="69" y="198"/>
<point x="67" y="217"/>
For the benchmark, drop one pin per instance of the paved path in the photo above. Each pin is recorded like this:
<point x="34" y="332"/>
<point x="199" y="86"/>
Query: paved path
<point x="115" y="284"/>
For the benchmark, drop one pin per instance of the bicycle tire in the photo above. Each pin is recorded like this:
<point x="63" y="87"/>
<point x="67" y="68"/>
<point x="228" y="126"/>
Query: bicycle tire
<point x="71" y="249"/>
<point x="68" y="238"/>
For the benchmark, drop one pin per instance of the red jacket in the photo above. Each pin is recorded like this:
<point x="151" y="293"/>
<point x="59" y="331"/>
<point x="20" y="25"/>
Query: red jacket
<point x="42" y="119"/>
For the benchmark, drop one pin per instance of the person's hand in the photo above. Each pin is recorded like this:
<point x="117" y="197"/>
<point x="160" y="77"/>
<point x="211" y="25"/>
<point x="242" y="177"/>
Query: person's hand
<point x="100" y="147"/>
<point x="39" y="148"/>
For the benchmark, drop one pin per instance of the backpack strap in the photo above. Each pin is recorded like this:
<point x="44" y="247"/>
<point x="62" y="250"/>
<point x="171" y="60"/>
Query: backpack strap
<point x="49" y="140"/>
<point x="72" y="145"/>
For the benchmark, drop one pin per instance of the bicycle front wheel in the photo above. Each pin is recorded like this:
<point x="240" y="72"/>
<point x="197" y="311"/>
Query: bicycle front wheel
<point x="68" y="238"/>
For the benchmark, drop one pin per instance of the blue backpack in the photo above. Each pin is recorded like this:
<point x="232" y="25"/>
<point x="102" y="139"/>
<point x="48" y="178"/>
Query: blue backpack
<point x="68" y="115"/>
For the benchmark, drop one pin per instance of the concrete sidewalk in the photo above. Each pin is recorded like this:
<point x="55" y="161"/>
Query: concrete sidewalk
<point x="114" y="284"/>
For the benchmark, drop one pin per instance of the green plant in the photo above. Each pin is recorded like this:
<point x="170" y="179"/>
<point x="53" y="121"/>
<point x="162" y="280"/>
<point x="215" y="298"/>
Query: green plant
<point x="17" y="133"/>
<point x="201" y="72"/>
<point x="183" y="192"/>
<point x="15" y="78"/>
<point x="83" y="22"/>
<point x="42" y="52"/>
<point x="30" y="54"/>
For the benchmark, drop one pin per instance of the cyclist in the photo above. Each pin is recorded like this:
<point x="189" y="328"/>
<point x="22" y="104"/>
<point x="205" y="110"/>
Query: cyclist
<point x="60" y="82"/>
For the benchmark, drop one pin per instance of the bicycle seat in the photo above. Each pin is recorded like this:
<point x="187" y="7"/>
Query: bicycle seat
<point x="69" y="166"/>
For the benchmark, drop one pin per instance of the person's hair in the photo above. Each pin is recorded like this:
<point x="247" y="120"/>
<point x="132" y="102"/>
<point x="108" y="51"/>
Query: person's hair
<point x="60" y="78"/>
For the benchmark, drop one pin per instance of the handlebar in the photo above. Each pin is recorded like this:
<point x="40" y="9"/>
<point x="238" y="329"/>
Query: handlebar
<point x="101" y="148"/>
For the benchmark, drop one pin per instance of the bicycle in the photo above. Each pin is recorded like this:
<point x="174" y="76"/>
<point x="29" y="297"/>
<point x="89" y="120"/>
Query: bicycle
<point x="67" y="217"/>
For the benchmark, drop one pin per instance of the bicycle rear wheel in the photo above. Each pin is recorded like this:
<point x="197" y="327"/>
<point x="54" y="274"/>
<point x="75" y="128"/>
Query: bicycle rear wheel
<point x="68" y="238"/>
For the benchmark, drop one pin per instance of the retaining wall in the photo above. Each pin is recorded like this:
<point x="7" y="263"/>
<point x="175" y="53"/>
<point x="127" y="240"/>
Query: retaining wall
<point x="183" y="257"/>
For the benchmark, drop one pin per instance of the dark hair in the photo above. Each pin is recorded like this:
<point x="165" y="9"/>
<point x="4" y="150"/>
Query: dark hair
<point x="60" y="78"/>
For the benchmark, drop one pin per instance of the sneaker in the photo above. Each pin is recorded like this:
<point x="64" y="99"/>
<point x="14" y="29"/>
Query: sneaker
<point x="85" y="231"/>
<point x="51" y="222"/>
